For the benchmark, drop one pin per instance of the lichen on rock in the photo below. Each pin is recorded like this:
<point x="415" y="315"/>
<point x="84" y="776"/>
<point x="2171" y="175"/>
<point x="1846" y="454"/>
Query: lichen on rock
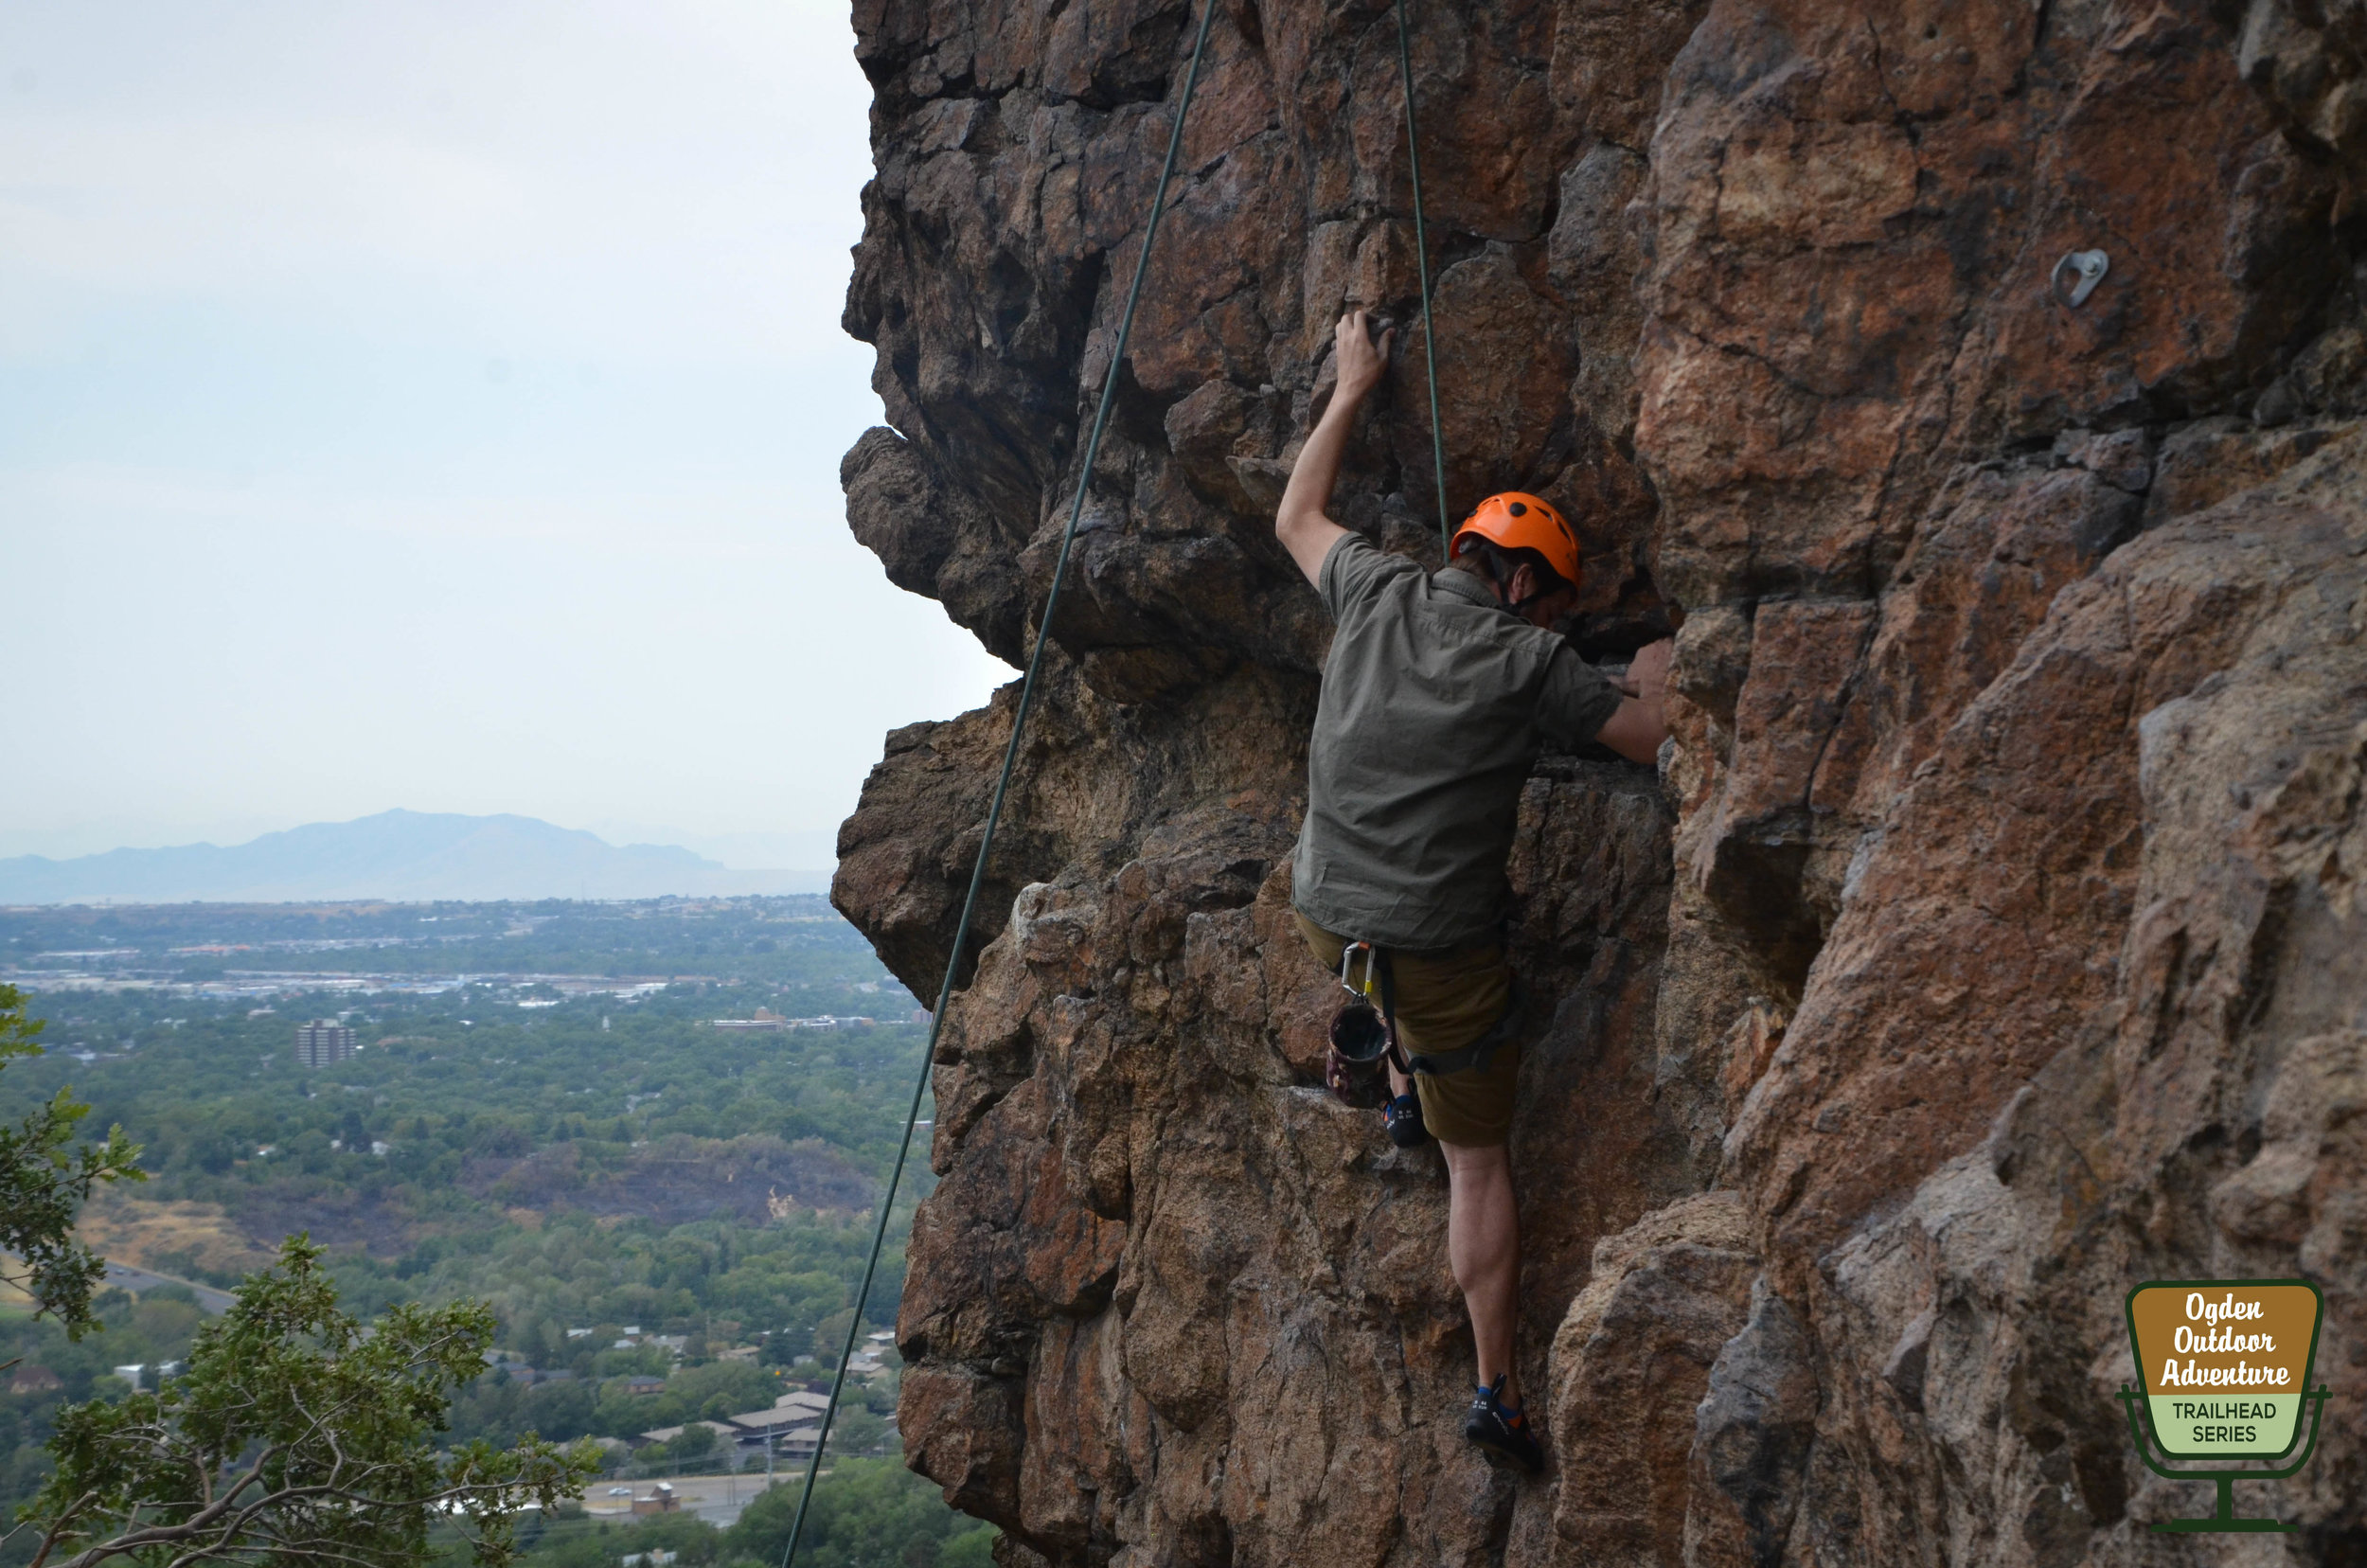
<point x="1990" y="936"/>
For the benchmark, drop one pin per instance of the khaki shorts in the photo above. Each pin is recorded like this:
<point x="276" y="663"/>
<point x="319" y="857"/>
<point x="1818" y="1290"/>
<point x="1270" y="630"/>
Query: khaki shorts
<point x="1446" y="1000"/>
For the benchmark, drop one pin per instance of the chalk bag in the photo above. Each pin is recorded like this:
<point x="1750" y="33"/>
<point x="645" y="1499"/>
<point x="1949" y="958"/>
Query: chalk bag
<point x="1356" y="1070"/>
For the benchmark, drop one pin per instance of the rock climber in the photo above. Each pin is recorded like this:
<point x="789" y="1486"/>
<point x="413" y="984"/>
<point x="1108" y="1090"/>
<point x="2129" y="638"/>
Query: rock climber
<point x="1439" y="691"/>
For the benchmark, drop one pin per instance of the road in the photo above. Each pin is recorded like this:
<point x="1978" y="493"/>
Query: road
<point x="717" y="1499"/>
<point x="209" y="1300"/>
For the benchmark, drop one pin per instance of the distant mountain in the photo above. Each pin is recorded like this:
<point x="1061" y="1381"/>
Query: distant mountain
<point x="396" y="855"/>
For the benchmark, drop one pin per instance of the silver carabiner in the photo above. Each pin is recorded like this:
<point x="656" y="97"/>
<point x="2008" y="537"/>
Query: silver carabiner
<point x="1372" y="958"/>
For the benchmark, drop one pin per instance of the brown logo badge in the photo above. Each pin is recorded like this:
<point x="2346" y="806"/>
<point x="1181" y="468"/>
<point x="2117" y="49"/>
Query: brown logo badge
<point x="2225" y="1368"/>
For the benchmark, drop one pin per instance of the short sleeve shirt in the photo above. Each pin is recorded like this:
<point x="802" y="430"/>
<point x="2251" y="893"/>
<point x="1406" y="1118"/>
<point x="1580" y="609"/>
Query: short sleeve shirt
<point x="1434" y="707"/>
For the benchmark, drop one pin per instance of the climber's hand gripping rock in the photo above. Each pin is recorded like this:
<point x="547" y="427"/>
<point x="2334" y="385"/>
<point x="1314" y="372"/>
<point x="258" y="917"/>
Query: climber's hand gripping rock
<point x="1360" y="359"/>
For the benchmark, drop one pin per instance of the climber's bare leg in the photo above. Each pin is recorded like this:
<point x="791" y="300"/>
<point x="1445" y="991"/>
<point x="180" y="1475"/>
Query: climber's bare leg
<point x="1483" y="1246"/>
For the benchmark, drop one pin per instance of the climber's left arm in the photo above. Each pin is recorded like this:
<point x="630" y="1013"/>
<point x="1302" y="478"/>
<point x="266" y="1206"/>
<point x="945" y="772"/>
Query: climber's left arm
<point x="1300" y="522"/>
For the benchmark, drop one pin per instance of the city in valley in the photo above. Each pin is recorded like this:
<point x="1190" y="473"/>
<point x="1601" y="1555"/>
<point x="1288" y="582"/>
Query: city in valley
<point x="653" y="1134"/>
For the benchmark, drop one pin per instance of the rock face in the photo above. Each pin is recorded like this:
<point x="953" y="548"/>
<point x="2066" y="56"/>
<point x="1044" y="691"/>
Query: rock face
<point x="1991" y="936"/>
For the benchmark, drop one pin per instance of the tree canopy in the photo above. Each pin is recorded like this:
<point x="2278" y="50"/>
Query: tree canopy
<point x="45" y="1177"/>
<point x="298" y="1434"/>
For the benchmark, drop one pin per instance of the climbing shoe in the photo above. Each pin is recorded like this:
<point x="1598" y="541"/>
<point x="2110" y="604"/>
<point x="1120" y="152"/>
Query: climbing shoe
<point x="1402" y="1116"/>
<point x="1503" y="1435"/>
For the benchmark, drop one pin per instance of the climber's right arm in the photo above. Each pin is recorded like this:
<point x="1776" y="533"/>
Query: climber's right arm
<point x="1300" y="522"/>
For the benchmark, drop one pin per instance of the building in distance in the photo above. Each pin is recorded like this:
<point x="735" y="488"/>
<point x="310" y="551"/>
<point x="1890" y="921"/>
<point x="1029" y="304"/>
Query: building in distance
<point x="322" y="1043"/>
<point x="661" y="1500"/>
<point x="35" y="1380"/>
<point x="766" y="1019"/>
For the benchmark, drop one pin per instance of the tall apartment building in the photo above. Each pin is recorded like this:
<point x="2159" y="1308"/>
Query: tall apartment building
<point x="320" y="1042"/>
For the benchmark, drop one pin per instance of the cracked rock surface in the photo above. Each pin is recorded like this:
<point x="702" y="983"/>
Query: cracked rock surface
<point x="1991" y="936"/>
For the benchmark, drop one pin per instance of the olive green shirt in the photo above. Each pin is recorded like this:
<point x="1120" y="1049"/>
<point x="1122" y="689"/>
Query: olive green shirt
<point x="1435" y="703"/>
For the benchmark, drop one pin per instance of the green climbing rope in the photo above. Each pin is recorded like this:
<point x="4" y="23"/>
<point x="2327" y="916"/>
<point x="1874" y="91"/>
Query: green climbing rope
<point x="1421" y="260"/>
<point x="1010" y="757"/>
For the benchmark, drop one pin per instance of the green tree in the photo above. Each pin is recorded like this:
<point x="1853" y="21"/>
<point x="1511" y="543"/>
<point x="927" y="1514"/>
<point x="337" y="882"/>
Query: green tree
<point x="44" y="1178"/>
<point x="695" y="1442"/>
<point x="857" y="1430"/>
<point x="724" y="1388"/>
<point x="870" y="1513"/>
<point x="829" y="1336"/>
<point x="298" y="1436"/>
<point x="568" y="1545"/>
<point x="969" y="1549"/>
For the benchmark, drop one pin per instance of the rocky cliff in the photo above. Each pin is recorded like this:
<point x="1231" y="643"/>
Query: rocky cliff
<point x="1989" y="939"/>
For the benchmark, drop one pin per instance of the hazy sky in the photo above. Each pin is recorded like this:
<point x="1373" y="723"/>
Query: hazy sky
<point x="437" y="405"/>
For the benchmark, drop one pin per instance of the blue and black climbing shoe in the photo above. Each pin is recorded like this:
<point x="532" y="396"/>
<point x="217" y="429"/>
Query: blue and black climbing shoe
<point x="1403" y="1117"/>
<point x="1502" y="1434"/>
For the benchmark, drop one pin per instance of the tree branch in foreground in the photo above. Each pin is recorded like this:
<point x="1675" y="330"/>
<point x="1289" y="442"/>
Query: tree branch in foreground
<point x="300" y="1436"/>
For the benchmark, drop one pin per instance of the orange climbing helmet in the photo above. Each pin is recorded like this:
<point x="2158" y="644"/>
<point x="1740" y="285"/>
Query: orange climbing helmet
<point x="1518" y="521"/>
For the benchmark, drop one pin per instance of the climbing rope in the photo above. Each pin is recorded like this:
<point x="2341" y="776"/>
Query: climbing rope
<point x="1422" y="259"/>
<point x="1010" y="757"/>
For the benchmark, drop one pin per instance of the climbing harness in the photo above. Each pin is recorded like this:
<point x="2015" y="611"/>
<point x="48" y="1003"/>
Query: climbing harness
<point x="1477" y="1055"/>
<point x="1365" y="1038"/>
<point x="1010" y="757"/>
<point x="1421" y="260"/>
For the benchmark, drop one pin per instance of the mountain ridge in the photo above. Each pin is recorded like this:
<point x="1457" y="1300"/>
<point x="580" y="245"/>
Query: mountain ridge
<point x="393" y="854"/>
